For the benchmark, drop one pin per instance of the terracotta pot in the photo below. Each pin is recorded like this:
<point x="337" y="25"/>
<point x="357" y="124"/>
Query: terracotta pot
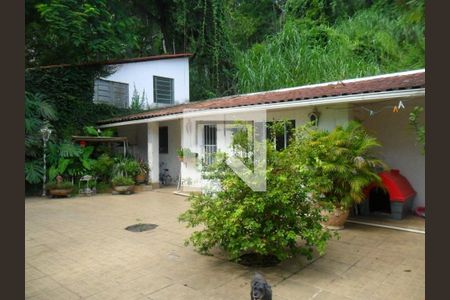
<point x="124" y="188"/>
<point x="336" y="218"/>
<point x="60" y="192"/>
<point x="140" y="178"/>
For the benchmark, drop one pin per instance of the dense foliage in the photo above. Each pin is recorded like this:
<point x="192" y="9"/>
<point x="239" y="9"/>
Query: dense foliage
<point x="70" y="91"/>
<point x="238" y="46"/>
<point x="122" y="181"/>
<point x="373" y="41"/>
<point x="38" y="111"/>
<point x="241" y="220"/>
<point x="336" y="165"/>
<point x="416" y="122"/>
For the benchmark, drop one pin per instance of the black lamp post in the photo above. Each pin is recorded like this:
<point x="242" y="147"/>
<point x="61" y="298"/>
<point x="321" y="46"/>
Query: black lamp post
<point x="46" y="132"/>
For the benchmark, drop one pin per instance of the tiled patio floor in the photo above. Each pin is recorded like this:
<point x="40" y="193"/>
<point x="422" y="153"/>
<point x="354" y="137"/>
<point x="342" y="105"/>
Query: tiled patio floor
<point x="77" y="248"/>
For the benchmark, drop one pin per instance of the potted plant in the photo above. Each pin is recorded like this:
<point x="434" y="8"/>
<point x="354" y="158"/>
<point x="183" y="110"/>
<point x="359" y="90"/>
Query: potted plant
<point x="337" y="166"/>
<point x="143" y="171"/>
<point x="59" y="188"/>
<point x="185" y="154"/>
<point x="180" y="154"/>
<point x="123" y="184"/>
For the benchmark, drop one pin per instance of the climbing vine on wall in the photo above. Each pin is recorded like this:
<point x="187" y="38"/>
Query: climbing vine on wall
<point x="70" y="90"/>
<point x="418" y="126"/>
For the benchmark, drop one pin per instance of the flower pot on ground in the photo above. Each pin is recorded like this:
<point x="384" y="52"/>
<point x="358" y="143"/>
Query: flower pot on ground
<point x="140" y="178"/>
<point x="123" y="184"/>
<point x="336" y="218"/>
<point x="143" y="171"/>
<point x="337" y="166"/>
<point x="60" y="189"/>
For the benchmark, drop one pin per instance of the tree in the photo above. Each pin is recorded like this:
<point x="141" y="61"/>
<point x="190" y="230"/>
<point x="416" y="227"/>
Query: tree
<point x="73" y="31"/>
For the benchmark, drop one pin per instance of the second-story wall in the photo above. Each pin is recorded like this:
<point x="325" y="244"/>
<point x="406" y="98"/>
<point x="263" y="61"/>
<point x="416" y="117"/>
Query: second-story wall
<point x="140" y="74"/>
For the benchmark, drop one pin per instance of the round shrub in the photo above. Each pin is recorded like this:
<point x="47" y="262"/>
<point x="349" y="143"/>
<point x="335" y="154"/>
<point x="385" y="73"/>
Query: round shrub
<point x="243" y="221"/>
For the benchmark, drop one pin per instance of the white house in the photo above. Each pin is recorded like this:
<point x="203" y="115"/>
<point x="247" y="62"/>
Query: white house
<point x="381" y="103"/>
<point x="161" y="80"/>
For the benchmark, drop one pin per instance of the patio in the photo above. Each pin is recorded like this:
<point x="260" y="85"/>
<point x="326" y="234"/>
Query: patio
<point x="77" y="248"/>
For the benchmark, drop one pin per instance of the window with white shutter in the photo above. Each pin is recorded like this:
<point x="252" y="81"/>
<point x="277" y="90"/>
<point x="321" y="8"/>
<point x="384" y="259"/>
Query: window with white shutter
<point x="111" y="92"/>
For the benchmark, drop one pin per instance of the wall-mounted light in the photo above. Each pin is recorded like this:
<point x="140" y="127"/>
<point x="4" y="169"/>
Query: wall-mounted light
<point x="314" y="117"/>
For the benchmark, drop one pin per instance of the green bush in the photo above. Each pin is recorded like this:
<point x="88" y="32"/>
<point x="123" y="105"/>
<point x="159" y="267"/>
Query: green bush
<point x="126" y="167"/>
<point x="242" y="221"/>
<point x="336" y="166"/>
<point x="122" y="181"/>
<point x="102" y="167"/>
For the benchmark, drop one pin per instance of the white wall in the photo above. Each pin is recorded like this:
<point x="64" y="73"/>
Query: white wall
<point x="399" y="146"/>
<point x="330" y="117"/>
<point x="170" y="159"/>
<point x="141" y="74"/>
<point x="137" y="139"/>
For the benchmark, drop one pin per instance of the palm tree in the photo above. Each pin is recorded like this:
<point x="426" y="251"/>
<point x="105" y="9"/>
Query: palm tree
<point x="338" y="165"/>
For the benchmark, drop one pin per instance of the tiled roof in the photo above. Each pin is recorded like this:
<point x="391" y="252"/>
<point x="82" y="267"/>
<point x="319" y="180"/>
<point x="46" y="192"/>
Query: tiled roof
<point x="119" y="61"/>
<point x="389" y="82"/>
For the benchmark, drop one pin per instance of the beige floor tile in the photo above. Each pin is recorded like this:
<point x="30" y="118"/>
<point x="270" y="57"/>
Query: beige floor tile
<point x="177" y="292"/>
<point x="78" y="248"/>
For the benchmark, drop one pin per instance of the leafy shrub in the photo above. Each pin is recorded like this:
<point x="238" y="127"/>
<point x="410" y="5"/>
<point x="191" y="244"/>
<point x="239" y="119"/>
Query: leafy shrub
<point x="102" y="167"/>
<point x="126" y="167"/>
<point x="64" y="185"/>
<point x="122" y="181"/>
<point x="103" y="187"/>
<point x="69" y="159"/>
<point x="242" y="221"/>
<point x="336" y="165"/>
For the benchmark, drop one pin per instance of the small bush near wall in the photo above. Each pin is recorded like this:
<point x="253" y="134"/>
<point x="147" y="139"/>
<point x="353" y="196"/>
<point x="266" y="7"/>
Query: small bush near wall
<point x="243" y="221"/>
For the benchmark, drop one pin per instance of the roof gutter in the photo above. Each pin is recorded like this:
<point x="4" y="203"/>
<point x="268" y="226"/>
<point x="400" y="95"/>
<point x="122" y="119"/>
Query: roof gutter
<point x="280" y="105"/>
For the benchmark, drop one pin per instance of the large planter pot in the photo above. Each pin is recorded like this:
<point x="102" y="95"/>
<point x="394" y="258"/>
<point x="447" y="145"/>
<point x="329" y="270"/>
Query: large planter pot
<point x="60" y="192"/>
<point x="336" y="218"/>
<point x="124" y="189"/>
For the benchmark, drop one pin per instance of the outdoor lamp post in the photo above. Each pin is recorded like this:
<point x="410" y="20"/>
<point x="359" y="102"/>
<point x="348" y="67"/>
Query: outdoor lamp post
<point x="46" y="132"/>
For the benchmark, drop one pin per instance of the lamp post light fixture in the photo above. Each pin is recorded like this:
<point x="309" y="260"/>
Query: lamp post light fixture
<point x="46" y="132"/>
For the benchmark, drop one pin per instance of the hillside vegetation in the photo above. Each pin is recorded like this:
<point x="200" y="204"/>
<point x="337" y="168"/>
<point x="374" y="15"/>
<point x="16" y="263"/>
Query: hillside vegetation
<point x="238" y="45"/>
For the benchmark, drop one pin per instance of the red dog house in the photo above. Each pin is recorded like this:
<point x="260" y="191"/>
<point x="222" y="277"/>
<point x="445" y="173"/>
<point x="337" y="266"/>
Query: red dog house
<point x="394" y="197"/>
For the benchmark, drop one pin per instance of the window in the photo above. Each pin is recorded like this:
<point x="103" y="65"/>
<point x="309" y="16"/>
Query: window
<point x="164" y="140"/>
<point x="283" y="139"/>
<point x="210" y="142"/>
<point x="111" y="92"/>
<point x="162" y="90"/>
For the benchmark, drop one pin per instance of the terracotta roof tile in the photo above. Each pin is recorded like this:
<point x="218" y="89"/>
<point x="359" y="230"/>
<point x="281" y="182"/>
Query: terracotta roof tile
<point x="398" y="81"/>
<point x="118" y="61"/>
